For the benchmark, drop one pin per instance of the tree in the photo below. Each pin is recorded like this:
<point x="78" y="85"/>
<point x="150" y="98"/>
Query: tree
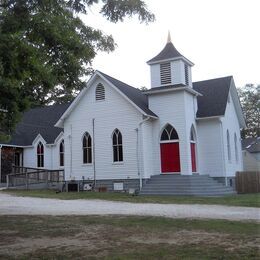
<point x="45" y="49"/>
<point x="143" y="88"/>
<point x="250" y="101"/>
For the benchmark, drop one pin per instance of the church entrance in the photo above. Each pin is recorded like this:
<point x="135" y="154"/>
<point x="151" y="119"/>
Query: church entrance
<point x="170" y="154"/>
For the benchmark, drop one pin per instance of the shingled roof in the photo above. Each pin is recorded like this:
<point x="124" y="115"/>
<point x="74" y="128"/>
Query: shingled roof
<point x="42" y="120"/>
<point x="214" y="96"/>
<point x="168" y="52"/>
<point x="38" y="121"/>
<point x="134" y="94"/>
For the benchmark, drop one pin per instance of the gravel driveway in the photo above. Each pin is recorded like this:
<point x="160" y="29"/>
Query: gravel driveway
<point x="12" y="205"/>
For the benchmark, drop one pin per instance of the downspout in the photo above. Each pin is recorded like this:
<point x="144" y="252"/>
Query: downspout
<point x="51" y="147"/>
<point x="137" y="150"/>
<point x="0" y="163"/>
<point x="70" y="137"/>
<point x="223" y="153"/>
<point x="94" y="158"/>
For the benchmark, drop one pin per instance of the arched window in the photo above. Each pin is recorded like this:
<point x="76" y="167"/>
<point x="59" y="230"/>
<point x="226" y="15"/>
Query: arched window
<point x="228" y="146"/>
<point x="236" y="151"/>
<point x="40" y="155"/>
<point x="62" y="153"/>
<point x="169" y="133"/>
<point x="100" y="92"/>
<point x="193" y="149"/>
<point x="87" y="148"/>
<point x="192" y="135"/>
<point x="117" y="146"/>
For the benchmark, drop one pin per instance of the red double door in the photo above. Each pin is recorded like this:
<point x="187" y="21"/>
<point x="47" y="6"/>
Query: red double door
<point x="170" y="157"/>
<point x="193" y="157"/>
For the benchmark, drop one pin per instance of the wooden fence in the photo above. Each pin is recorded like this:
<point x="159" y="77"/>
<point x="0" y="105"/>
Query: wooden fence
<point x="248" y="182"/>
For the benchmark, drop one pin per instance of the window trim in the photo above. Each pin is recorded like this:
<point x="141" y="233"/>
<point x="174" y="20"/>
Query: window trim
<point x="61" y="153"/>
<point x="236" y="149"/>
<point x="169" y="134"/>
<point x="117" y="145"/>
<point x="228" y="146"/>
<point x="40" y="155"/>
<point x="87" y="148"/>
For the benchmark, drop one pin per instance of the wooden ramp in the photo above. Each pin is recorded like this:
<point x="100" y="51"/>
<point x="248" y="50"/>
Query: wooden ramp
<point x="29" y="178"/>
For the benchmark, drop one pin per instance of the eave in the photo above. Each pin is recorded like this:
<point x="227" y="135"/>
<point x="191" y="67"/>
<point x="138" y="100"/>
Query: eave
<point x="172" y="89"/>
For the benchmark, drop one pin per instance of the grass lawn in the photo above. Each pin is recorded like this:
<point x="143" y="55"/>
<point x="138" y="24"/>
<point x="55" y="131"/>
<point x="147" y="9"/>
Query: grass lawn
<point x="95" y="237"/>
<point x="247" y="200"/>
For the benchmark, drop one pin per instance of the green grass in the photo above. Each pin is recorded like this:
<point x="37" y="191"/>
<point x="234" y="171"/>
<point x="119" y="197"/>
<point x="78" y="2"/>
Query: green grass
<point x="119" y="237"/>
<point x="245" y="200"/>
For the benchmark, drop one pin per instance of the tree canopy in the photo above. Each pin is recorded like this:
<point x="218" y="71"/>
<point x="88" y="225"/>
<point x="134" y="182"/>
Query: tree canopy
<point x="250" y="101"/>
<point x="46" y="49"/>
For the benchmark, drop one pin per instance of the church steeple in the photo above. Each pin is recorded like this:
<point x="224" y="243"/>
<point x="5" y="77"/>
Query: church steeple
<point x="170" y="67"/>
<point x="169" y="37"/>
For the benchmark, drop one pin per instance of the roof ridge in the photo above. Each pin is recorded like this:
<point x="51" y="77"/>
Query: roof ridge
<point x="46" y="106"/>
<point x="135" y="95"/>
<point x="36" y="125"/>
<point x="213" y="79"/>
<point x="118" y="80"/>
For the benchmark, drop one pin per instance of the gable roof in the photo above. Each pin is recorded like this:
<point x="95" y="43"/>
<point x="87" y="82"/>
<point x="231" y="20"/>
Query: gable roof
<point x="38" y="121"/>
<point x="214" y="96"/>
<point x="42" y="120"/>
<point x="134" y="94"/>
<point x="168" y="52"/>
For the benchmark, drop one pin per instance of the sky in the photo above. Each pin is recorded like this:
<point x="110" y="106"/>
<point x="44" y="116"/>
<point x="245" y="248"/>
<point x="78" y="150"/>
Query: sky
<point x="221" y="37"/>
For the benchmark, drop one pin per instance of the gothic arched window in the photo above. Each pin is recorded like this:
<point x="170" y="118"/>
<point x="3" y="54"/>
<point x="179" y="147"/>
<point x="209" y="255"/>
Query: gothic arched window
<point x="169" y="133"/>
<point x="117" y="146"/>
<point x="40" y="155"/>
<point x="61" y="153"/>
<point x="87" y="148"/>
<point x="228" y="146"/>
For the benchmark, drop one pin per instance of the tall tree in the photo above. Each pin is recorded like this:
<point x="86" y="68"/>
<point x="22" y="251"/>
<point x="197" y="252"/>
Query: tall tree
<point x="250" y="100"/>
<point x="45" y="49"/>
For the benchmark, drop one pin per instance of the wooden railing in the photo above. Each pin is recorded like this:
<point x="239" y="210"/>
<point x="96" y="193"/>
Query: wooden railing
<point x="25" y="176"/>
<point x="20" y="169"/>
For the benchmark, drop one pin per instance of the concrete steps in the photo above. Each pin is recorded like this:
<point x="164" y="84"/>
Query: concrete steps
<point x="182" y="185"/>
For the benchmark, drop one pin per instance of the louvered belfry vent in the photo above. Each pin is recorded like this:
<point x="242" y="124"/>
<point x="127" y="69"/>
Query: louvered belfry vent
<point x="186" y="69"/>
<point x="100" y="92"/>
<point x="165" y="72"/>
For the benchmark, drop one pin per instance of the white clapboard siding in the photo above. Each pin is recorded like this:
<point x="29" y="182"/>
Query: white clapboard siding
<point x="113" y="112"/>
<point x="230" y="122"/>
<point x="172" y="108"/>
<point x="210" y="147"/>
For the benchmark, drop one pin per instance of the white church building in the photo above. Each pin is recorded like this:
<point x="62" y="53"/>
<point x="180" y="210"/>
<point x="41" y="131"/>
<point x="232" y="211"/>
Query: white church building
<point x="116" y="135"/>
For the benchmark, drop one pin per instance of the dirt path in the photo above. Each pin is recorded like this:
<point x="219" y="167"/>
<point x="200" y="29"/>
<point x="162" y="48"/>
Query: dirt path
<point x="12" y="205"/>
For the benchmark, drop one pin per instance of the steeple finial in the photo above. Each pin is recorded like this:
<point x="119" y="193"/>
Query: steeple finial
<point x="169" y="37"/>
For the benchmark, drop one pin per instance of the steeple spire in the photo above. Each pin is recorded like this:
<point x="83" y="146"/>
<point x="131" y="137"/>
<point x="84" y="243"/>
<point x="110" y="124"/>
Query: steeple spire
<point x="169" y="37"/>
